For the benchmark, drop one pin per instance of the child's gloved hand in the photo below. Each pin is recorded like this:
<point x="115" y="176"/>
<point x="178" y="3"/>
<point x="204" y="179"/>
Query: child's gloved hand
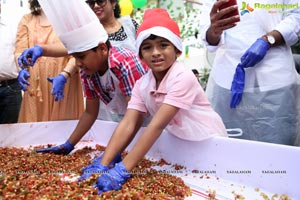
<point x="255" y="53"/>
<point x="22" y="79"/>
<point x="113" y="179"/>
<point x="31" y="54"/>
<point x="237" y="86"/>
<point x="65" y="149"/>
<point x="58" y="86"/>
<point x="97" y="166"/>
<point x="94" y="168"/>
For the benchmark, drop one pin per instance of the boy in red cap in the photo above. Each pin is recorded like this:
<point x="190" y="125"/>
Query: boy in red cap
<point x="168" y="92"/>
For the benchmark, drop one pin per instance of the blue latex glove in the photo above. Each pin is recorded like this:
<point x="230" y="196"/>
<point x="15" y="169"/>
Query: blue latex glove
<point x="58" y="86"/>
<point x="65" y="149"/>
<point x="31" y="53"/>
<point x="117" y="159"/>
<point x="97" y="166"/>
<point x="22" y="79"/>
<point x="251" y="57"/>
<point x="237" y="86"/>
<point x="113" y="179"/>
<point x="255" y="53"/>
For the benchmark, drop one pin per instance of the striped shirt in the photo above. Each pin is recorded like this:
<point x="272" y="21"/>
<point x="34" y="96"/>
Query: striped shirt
<point x="127" y="68"/>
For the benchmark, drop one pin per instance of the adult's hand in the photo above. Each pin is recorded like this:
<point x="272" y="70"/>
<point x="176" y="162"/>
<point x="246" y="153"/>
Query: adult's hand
<point x="58" y="86"/>
<point x="251" y="57"/>
<point x="22" y="79"/>
<point x="255" y="53"/>
<point x="29" y="56"/>
<point x="218" y="23"/>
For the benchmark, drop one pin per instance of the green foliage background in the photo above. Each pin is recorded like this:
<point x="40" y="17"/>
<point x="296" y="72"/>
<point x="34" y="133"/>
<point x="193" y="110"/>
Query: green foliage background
<point x="187" y="18"/>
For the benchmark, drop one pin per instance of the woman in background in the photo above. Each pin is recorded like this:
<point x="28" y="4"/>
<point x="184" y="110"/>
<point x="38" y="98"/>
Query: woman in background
<point x="38" y="104"/>
<point x="121" y="30"/>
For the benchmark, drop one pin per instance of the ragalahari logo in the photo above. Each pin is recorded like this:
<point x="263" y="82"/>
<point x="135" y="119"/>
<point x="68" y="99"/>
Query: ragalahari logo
<point x="246" y="8"/>
<point x="271" y="8"/>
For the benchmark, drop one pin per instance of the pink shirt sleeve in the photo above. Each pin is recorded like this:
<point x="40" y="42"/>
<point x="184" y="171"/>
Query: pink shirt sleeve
<point x="136" y="102"/>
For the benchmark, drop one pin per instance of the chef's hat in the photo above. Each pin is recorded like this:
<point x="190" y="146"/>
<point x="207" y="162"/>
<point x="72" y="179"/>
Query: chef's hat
<point x="75" y="23"/>
<point x="158" y="22"/>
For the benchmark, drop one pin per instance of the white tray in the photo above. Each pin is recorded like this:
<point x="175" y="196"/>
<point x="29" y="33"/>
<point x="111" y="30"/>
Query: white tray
<point x="233" y="165"/>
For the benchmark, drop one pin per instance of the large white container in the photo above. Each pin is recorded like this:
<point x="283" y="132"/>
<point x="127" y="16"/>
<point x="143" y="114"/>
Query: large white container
<point x="233" y="165"/>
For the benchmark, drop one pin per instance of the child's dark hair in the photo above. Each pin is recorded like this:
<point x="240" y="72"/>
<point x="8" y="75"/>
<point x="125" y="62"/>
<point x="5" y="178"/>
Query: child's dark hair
<point x="151" y="37"/>
<point x="107" y="44"/>
<point x="195" y="71"/>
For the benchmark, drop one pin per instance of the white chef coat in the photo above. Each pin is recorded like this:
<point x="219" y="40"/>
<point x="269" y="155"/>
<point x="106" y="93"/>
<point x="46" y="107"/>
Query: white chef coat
<point x="269" y="107"/>
<point x="277" y="69"/>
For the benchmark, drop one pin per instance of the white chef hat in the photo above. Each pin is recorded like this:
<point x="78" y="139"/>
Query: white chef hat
<point x="75" y="23"/>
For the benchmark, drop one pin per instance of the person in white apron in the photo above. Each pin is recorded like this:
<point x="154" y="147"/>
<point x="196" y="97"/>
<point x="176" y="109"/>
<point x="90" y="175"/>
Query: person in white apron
<point x="108" y="73"/>
<point x="269" y="100"/>
<point x="121" y="33"/>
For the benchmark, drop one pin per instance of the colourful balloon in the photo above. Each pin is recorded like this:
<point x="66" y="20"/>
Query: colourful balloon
<point x="139" y="3"/>
<point x="126" y="7"/>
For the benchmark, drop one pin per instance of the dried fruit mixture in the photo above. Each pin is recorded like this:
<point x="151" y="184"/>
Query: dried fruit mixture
<point x="25" y="174"/>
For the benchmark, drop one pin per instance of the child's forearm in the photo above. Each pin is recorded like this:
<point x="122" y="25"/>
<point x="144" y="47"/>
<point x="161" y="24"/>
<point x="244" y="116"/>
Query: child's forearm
<point x="118" y="142"/>
<point x="159" y="121"/>
<point x="86" y="121"/>
<point x="54" y="50"/>
<point x="123" y="135"/>
<point x="142" y="146"/>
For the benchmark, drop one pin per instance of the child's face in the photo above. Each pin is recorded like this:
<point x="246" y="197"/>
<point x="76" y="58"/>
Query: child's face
<point x="159" y="53"/>
<point x="93" y="61"/>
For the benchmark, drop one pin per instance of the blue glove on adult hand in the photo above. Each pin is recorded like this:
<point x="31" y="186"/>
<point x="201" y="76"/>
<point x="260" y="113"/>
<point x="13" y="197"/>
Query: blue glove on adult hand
<point x="113" y="179"/>
<point x="251" y="57"/>
<point x="237" y="86"/>
<point x="65" y="149"/>
<point x="255" y="53"/>
<point x="97" y="166"/>
<point x="58" y="86"/>
<point x="22" y="79"/>
<point x="31" y="53"/>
